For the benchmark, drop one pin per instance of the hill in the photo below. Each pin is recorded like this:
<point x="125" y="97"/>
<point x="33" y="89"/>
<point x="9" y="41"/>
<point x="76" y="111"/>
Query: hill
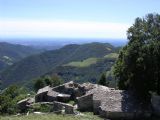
<point x="88" y="70"/>
<point x="11" y="53"/>
<point x="37" y="65"/>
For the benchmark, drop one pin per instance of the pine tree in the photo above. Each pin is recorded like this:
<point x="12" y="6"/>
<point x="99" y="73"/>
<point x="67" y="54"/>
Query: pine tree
<point x="102" y="80"/>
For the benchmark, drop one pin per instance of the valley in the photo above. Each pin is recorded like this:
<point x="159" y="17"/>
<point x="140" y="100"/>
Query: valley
<point x="81" y="63"/>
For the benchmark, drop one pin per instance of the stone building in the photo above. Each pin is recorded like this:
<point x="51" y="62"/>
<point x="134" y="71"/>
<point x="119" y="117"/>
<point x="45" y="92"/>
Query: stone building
<point x="104" y="101"/>
<point x="41" y="95"/>
<point x="112" y="104"/>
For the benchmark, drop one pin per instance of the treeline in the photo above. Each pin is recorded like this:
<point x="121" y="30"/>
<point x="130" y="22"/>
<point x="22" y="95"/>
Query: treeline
<point x="138" y="65"/>
<point x="52" y="81"/>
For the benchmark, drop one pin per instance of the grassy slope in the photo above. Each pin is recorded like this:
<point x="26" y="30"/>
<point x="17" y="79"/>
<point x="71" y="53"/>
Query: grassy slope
<point x="84" y="63"/>
<point x="90" y="61"/>
<point x="111" y="55"/>
<point x="86" y="116"/>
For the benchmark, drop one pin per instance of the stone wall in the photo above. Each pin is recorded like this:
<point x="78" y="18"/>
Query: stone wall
<point x="71" y="88"/>
<point x="25" y="103"/>
<point x="96" y="105"/>
<point x="58" y="107"/>
<point x="85" y="103"/>
<point x="41" y="97"/>
<point x="155" y="100"/>
<point x="125" y="115"/>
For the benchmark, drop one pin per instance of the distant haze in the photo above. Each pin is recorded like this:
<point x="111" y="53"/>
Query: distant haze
<point x="71" y="18"/>
<point x="55" y="43"/>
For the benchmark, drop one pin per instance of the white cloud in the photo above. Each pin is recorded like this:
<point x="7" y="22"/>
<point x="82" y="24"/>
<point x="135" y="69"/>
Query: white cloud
<point x="62" y="29"/>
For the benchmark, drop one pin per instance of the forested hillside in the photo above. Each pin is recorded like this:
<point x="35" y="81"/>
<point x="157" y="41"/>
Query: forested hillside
<point x="38" y="65"/>
<point x="88" y="70"/>
<point x="11" y="53"/>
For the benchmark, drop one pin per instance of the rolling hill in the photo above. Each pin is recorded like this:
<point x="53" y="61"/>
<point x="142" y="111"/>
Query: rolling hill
<point x="88" y="70"/>
<point x="11" y="53"/>
<point x="37" y="65"/>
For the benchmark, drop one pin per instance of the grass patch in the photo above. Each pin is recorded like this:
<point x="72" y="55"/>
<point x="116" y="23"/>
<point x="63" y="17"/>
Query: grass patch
<point x="71" y="102"/>
<point x="83" y="63"/>
<point x="41" y="108"/>
<point x="86" y="116"/>
<point x="111" y="55"/>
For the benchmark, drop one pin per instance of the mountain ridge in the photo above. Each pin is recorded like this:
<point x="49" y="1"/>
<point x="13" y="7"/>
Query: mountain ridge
<point x="37" y="65"/>
<point x="12" y="53"/>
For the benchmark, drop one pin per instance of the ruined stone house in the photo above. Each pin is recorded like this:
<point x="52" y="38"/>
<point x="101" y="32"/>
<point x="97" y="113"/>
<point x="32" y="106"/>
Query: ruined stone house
<point x="113" y="104"/>
<point x="104" y="101"/>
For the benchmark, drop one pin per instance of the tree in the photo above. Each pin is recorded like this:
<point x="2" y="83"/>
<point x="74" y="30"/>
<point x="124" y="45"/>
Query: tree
<point x="9" y="98"/>
<point x="102" y="80"/>
<point x="138" y="66"/>
<point x="52" y="81"/>
<point x="40" y="83"/>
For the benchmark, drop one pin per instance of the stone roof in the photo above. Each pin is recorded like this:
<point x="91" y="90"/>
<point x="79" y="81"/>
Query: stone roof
<point x="28" y="100"/>
<point x="63" y="95"/>
<point x="120" y="101"/>
<point x="88" y="86"/>
<point x="98" y="91"/>
<point x="45" y="89"/>
<point x="52" y="93"/>
<point x="114" y="100"/>
<point x="56" y="94"/>
<point x="71" y="84"/>
<point x="21" y="101"/>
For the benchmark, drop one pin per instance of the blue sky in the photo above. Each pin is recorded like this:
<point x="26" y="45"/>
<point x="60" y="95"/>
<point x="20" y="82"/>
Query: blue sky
<point x="71" y="18"/>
